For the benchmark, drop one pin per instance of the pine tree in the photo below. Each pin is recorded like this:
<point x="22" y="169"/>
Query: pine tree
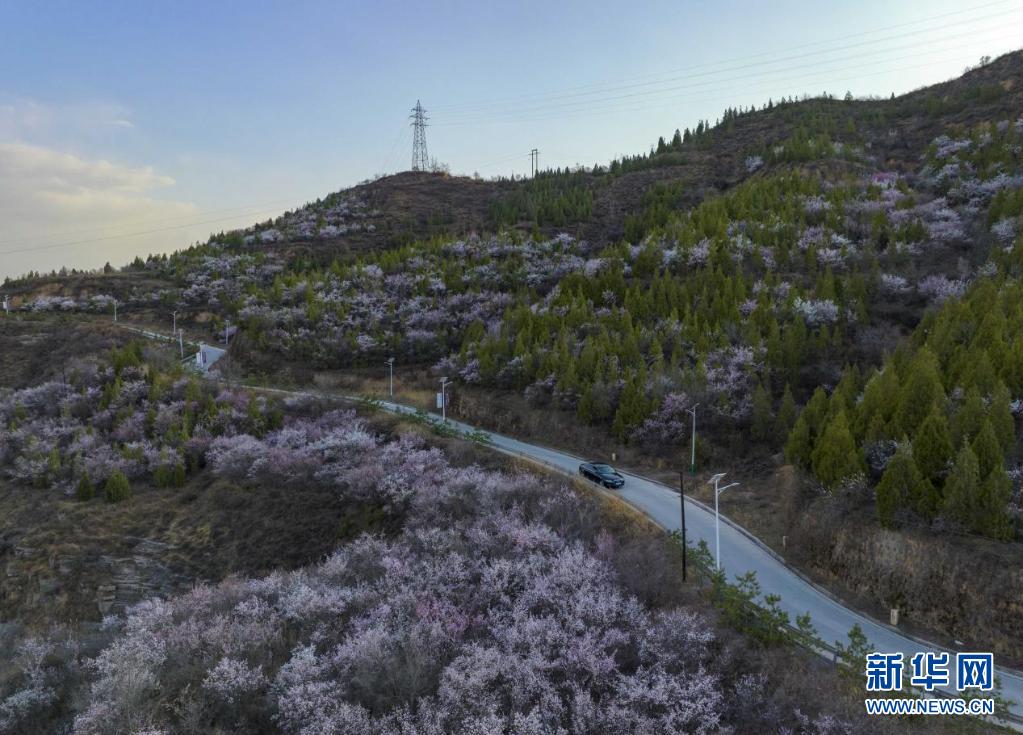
<point x="762" y="427"/>
<point x="84" y="490"/>
<point x="962" y="487"/>
<point x="836" y="457"/>
<point x="799" y="447"/>
<point x="899" y="484"/>
<point x="786" y="413"/>
<point x="1000" y="415"/>
<point x="117" y="488"/>
<point x="932" y="446"/>
<point x="991" y="514"/>
<point x="922" y="390"/>
<point x="988" y="450"/>
<point x="969" y="418"/>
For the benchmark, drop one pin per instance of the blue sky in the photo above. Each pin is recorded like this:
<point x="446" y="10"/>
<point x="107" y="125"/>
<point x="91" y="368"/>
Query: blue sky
<point x="122" y="117"/>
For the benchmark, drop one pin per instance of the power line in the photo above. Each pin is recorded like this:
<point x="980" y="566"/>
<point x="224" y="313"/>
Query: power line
<point x="626" y="103"/>
<point x="600" y="87"/>
<point x="930" y="43"/>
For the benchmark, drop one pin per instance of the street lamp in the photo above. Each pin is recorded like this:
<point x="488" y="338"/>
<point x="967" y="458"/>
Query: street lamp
<point x="444" y="382"/>
<point x="715" y="480"/>
<point x="390" y="364"/>
<point x="692" y="463"/>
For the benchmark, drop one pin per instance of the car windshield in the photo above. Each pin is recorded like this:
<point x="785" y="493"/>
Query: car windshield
<point x="603" y="468"/>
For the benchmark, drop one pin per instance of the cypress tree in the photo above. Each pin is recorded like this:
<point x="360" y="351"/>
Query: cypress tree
<point x="763" y="422"/>
<point x="799" y="447"/>
<point x="836" y="457"/>
<point x="786" y="413"/>
<point x="962" y="487"/>
<point x="932" y="446"/>
<point x="991" y="517"/>
<point x="1000" y="415"/>
<point x="921" y="391"/>
<point x="899" y="484"/>
<point x="988" y="451"/>
<point x="968" y="420"/>
<point x="117" y="488"/>
<point x="84" y="490"/>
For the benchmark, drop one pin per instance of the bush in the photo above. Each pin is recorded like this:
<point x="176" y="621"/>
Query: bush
<point x="117" y="488"/>
<point x="85" y="490"/>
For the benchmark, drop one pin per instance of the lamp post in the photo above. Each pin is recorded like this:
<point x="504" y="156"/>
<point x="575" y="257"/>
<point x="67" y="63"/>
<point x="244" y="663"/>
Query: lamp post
<point x="682" y="500"/>
<point x="390" y="364"/>
<point x="227" y="331"/>
<point x="715" y="481"/>
<point x="692" y="462"/>
<point x="444" y="382"/>
<point x="174" y="316"/>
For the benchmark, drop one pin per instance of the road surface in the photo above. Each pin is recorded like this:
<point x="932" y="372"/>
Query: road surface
<point x="742" y="552"/>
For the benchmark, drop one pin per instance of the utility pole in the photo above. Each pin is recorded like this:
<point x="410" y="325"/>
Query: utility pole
<point x="420" y="159"/>
<point x="715" y="481"/>
<point x="534" y="162"/>
<point x="181" y="343"/>
<point x="390" y="364"/>
<point x="227" y="327"/>
<point x="174" y="328"/>
<point x="444" y="382"/>
<point x="692" y="463"/>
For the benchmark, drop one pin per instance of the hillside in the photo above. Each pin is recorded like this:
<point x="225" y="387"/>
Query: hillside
<point x="834" y="285"/>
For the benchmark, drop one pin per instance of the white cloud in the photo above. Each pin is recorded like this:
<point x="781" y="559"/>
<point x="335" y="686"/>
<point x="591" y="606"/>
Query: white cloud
<point x="49" y="197"/>
<point x="30" y="119"/>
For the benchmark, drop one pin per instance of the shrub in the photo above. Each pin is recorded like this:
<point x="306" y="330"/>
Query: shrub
<point x="117" y="488"/>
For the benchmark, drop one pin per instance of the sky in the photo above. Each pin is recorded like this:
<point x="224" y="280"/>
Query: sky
<point x="131" y="128"/>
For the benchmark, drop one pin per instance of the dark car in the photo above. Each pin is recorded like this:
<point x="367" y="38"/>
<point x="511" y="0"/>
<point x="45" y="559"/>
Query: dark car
<point x="602" y="474"/>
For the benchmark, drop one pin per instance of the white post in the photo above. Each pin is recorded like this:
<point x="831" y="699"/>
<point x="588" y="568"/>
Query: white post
<point x="390" y="364"/>
<point x="174" y="328"/>
<point x="227" y="326"/>
<point x="715" y="481"/>
<point x="181" y="343"/>
<point x="443" y="400"/>
<point x="115" y="310"/>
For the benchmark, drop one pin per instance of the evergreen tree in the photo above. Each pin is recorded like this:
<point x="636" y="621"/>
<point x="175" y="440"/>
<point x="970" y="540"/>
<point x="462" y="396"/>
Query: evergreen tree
<point x="932" y="446"/>
<point x="799" y="447"/>
<point x="968" y="420"/>
<point x="988" y="451"/>
<point x="992" y="517"/>
<point x="836" y="457"/>
<point x="963" y="487"/>
<point x="117" y="488"/>
<point x="786" y="413"/>
<point x="922" y="390"/>
<point x="899" y="484"/>
<point x="84" y="490"/>
<point x="1000" y="415"/>
<point x="762" y="427"/>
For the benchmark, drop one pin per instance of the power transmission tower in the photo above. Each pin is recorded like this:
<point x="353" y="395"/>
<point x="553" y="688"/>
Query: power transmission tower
<point x="420" y="159"/>
<point x="534" y="162"/>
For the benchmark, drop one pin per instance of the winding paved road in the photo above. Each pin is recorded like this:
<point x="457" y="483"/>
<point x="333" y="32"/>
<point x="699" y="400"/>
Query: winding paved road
<point x="742" y="552"/>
